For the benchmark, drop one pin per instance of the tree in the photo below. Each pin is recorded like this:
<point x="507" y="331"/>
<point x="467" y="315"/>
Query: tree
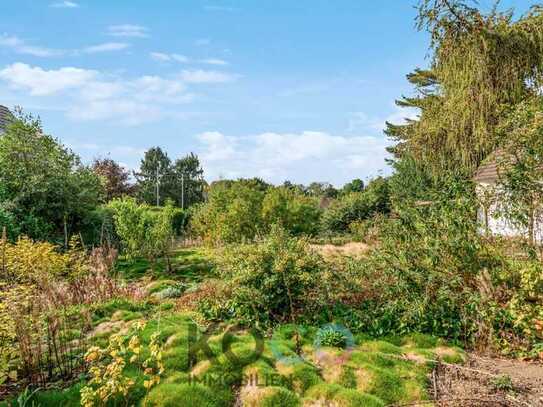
<point x="231" y="214"/>
<point x="189" y="181"/>
<point x="154" y="179"/>
<point x="295" y="212"/>
<point x="296" y="187"/>
<point x="356" y="185"/>
<point x="44" y="185"/>
<point x="480" y="63"/>
<point x="114" y="176"/>
<point x="521" y="165"/>
<point x="322" y="189"/>
<point x="143" y="230"/>
<point x="357" y="206"/>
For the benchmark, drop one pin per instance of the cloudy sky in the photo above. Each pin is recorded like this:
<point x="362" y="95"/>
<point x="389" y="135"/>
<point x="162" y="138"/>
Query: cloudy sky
<point x="279" y="89"/>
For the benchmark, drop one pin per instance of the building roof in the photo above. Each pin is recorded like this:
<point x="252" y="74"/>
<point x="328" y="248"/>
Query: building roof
<point x="5" y="118"/>
<point x="488" y="171"/>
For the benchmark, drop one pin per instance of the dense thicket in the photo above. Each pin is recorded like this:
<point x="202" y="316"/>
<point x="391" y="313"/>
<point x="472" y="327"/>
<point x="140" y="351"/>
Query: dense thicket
<point x="45" y="191"/>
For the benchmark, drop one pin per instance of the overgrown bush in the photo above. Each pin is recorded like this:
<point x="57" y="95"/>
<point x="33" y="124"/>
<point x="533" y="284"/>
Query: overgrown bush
<point x="271" y="281"/>
<point x="231" y="214"/>
<point x="143" y="230"/>
<point x="419" y="277"/>
<point x="240" y="211"/>
<point x="295" y="212"/>
<point x="357" y="206"/>
<point x="432" y="272"/>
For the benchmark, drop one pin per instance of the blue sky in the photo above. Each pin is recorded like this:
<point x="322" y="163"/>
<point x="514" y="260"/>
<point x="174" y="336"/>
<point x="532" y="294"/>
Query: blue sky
<point x="279" y="89"/>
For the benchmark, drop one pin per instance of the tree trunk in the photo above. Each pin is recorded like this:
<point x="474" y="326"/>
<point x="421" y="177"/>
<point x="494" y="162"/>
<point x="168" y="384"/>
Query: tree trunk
<point x="65" y="233"/>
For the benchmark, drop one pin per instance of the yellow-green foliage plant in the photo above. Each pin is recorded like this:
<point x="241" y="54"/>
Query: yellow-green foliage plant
<point x="10" y="298"/>
<point x="110" y="367"/>
<point x="29" y="261"/>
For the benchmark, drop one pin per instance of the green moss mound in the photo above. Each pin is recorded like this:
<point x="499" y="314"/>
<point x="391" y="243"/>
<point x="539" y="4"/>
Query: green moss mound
<point x="176" y="395"/>
<point x="280" y="397"/>
<point x="69" y="397"/>
<point x="340" y="396"/>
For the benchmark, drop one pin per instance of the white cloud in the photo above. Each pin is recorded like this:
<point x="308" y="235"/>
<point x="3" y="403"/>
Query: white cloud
<point x="401" y="115"/>
<point x="123" y="110"/>
<point x="214" y="61"/>
<point x="129" y="102"/>
<point x="299" y="157"/>
<point x="85" y="94"/>
<point x="179" y="58"/>
<point x="65" y="4"/>
<point x="21" y="47"/>
<point x="40" y="82"/>
<point x="163" y="57"/>
<point x="106" y="47"/>
<point x="159" y="56"/>
<point x="361" y="121"/>
<point x="128" y="30"/>
<point x="166" y="57"/>
<point x="202" y="76"/>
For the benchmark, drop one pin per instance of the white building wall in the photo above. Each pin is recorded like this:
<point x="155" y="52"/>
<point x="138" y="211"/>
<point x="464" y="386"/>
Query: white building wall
<point x="501" y="226"/>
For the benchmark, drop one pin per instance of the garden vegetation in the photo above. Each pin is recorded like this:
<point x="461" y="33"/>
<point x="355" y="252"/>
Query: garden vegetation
<point x="106" y="286"/>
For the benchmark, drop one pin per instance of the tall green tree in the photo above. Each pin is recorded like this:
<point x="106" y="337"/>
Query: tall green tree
<point x="480" y="63"/>
<point x="44" y="185"/>
<point x="155" y="178"/>
<point x="189" y="181"/>
<point x="356" y="185"/>
<point x="521" y="166"/>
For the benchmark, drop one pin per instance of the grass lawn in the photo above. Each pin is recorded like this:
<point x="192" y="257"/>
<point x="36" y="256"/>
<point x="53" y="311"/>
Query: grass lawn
<point x="189" y="265"/>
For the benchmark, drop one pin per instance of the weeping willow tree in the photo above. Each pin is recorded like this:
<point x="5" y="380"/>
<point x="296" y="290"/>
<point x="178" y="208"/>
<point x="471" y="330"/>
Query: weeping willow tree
<point x="481" y="64"/>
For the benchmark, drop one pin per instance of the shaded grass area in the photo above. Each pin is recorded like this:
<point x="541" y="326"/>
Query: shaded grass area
<point x="292" y="370"/>
<point x="188" y="264"/>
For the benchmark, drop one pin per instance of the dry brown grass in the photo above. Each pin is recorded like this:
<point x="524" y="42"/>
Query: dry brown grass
<point x="351" y="249"/>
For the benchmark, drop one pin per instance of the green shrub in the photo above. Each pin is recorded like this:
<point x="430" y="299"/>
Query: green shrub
<point x="231" y="214"/>
<point x="240" y="211"/>
<point x="271" y="281"/>
<point x="143" y="230"/>
<point x="357" y="206"/>
<point x="295" y="212"/>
